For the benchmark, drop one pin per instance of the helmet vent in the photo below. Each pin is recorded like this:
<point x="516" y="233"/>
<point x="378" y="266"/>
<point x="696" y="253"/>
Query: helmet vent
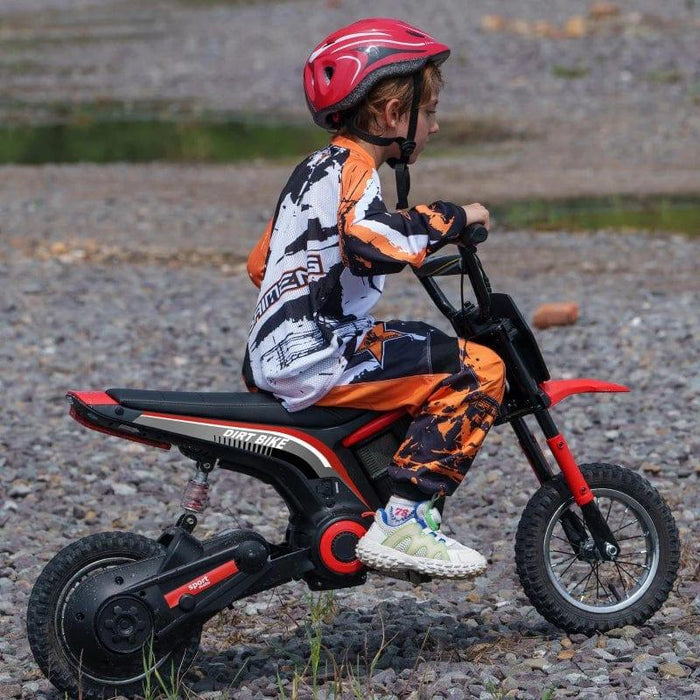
<point x="328" y="72"/>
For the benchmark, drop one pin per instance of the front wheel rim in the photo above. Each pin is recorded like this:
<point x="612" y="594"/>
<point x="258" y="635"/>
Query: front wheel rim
<point x="605" y="587"/>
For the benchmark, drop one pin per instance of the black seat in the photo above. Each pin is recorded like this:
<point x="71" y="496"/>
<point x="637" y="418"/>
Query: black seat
<point x="250" y="408"/>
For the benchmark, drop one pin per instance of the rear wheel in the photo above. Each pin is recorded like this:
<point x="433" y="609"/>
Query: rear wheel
<point x="570" y="585"/>
<point x="115" y="673"/>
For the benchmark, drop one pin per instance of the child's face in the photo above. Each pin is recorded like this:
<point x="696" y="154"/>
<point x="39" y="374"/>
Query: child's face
<point x="427" y="125"/>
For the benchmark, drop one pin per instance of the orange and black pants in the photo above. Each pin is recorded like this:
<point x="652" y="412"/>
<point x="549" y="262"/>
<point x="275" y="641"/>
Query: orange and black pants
<point x="452" y="387"/>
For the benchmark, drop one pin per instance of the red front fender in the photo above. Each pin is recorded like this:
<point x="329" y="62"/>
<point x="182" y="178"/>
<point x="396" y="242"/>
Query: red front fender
<point x="558" y="389"/>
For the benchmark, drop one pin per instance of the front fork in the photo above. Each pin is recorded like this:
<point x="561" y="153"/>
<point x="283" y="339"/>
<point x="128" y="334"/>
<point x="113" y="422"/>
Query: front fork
<point x="604" y="540"/>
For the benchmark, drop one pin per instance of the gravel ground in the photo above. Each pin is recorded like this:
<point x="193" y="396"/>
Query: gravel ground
<point x="73" y="320"/>
<point x="132" y="276"/>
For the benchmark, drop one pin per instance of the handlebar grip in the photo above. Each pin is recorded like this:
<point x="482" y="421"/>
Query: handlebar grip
<point x="474" y="234"/>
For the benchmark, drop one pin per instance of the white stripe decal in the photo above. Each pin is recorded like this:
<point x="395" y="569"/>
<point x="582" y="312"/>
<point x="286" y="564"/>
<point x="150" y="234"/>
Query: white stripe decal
<point x="383" y="42"/>
<point x="359" y="65"/>
<point x="313" y="456"/>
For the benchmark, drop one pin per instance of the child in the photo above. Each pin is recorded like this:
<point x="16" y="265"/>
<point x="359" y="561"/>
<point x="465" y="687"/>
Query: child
<point x="321" y="265"/>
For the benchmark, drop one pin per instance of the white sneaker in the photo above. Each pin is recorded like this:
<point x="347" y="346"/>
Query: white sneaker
<point x="417" y="544"/>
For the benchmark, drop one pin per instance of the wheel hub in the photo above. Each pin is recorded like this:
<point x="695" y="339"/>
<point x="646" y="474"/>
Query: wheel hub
<point x="588" y="551"/>
<point x="124" y="625"/>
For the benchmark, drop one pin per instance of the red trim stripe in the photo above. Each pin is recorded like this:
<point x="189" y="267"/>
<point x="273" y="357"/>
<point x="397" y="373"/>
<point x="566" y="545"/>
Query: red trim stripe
<point x="373" y="427"/>
<point x="201" y="583"/>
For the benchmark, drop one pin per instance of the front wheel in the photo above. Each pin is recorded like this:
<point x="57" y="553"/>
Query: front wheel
<point x="569" y="584"/>
<point x="106" y="674"/>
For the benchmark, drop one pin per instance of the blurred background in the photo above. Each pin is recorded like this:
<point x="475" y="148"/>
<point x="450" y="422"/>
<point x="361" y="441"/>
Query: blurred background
<point x="545" y="100"/>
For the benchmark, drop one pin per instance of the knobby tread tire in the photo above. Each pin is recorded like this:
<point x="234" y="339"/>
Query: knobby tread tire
<point x="43" y="637"/>
<point x="530" y="563"/>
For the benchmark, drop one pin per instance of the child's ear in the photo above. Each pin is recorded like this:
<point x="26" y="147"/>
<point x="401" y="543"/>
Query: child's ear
<point x="391" y="113"/>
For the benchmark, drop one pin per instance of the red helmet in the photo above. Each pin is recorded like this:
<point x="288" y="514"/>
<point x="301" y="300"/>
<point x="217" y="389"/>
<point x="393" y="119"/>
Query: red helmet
<point x="343" y="67"/>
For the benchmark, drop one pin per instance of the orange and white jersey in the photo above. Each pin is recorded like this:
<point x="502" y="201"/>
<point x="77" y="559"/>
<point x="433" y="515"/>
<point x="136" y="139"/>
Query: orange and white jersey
<point x="321" y="265"/>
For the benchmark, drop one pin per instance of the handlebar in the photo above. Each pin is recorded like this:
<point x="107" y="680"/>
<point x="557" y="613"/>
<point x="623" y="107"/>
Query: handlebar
<point x="474" y="234"/>
<point x="467" y="262"/>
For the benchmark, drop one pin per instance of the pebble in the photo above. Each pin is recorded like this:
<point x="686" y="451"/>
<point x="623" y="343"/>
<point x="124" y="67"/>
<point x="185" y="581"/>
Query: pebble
<point x="674" y="670"/>
<point x="644" y="662"/>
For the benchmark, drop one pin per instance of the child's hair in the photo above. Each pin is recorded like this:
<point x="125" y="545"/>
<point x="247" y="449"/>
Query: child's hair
<point x="366" y="115"/>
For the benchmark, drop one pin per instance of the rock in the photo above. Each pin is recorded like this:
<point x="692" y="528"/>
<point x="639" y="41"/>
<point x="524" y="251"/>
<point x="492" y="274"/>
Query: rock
<point x="575" y="27"/>
<point x="29" y="690"/>
<point x="602" y="654"/>
<point x="384" y="677"/>
<point x="546" y="29"/>
<point x="628" y="631"/>
<point x="644" y="662"/>
<point x="673" y="670"/>
<point x="555" y="314"/>
<point x="603" y="10"/>
<point x="122" y="489"/>
<point x="620" y="645"/>
<point x="692" y="662"/>
<point x="493" y="23"/>
<point x="538" y="664"/>
<point x="20" y="490"/>
<point x="507" y="684"/>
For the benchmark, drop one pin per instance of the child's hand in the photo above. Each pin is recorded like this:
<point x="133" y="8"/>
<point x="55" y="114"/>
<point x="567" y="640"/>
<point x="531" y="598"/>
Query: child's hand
<point x="477" y="214"/>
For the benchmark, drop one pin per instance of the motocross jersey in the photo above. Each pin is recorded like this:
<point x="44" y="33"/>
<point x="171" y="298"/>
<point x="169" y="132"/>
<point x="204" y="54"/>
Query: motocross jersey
<point x="321" y="265"/>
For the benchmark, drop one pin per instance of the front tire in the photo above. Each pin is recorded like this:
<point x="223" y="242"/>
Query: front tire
<point x="119" y="674"/>
<point x="574" y="589"/>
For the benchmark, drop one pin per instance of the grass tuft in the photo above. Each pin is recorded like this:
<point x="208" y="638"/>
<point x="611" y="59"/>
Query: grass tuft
<point x="569" y="72"/>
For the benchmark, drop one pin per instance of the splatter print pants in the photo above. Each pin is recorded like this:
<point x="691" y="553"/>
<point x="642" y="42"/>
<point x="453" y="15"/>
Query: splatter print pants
<point x="452" y="387"/>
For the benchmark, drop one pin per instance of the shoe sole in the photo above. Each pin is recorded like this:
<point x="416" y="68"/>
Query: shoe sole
<point x="376" y="556"/>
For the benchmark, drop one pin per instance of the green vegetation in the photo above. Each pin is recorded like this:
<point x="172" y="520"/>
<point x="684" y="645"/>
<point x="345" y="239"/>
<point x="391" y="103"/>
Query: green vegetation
<point x="658" y="213"/>
<point x="664" y="77"/>
<point x="110" y="131"/>
<point x="150" y="140"/>
<point x="569" y="72"/>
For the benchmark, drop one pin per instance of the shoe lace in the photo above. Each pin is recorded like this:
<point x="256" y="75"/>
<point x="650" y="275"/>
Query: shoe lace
<point x="430" y="519"/>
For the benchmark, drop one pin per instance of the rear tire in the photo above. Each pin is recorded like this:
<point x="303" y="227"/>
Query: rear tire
<point x="127" y="673"/>
<point x="572" y="590"/>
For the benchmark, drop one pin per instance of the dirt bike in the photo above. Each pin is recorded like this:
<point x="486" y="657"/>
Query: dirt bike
<point x="596" y="547"/>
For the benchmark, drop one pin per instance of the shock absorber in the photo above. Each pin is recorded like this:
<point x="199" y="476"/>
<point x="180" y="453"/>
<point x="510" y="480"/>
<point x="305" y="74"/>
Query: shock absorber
<point x="195" y="497"/>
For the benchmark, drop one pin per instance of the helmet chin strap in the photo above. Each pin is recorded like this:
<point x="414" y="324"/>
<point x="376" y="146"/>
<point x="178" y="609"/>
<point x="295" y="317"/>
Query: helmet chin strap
<point x="406" y="145"/>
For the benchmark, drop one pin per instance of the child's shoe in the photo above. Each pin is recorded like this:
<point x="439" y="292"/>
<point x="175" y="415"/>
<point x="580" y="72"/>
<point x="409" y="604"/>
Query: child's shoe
<point x="406" y="535"/>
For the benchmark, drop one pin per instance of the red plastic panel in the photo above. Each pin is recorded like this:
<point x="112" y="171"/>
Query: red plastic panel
<point x="93" y="398"/>
<point x="572" y="474"/>
<point x="201" y="583"/>
<point x="558" y="389"/>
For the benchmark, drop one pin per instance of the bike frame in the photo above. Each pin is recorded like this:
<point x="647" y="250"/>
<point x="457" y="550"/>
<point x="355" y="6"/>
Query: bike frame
<point x="315" y="462"/>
